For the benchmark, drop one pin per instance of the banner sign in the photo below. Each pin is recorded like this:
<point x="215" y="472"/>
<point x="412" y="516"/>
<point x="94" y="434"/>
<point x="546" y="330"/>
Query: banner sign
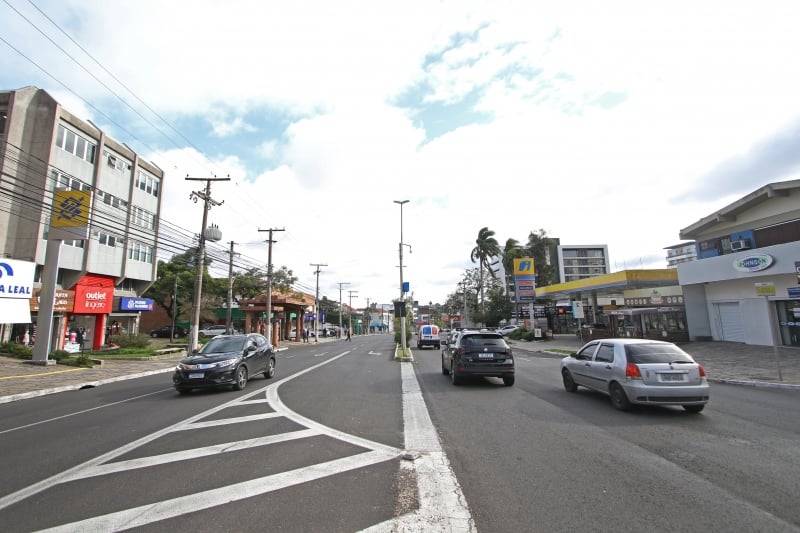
<point x="127" y="303"/>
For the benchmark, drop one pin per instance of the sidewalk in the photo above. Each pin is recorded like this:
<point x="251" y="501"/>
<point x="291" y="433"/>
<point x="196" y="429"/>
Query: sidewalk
<point x="725" y="362"/>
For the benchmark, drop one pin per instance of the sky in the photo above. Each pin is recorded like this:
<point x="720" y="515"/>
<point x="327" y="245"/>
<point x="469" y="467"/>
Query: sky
<point x="611" y="123"/>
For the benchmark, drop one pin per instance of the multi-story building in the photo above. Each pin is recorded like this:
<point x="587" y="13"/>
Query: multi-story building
<point x="745" y="284"/>
<point x="680" y="253"/>
<point x="582" y="261"/>
<point x="44" y="147"/>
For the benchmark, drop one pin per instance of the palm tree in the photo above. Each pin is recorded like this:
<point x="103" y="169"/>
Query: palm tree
<point x="486" y="247"/>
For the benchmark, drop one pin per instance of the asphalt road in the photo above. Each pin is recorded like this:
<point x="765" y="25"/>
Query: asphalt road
<point x="340" y="440"/>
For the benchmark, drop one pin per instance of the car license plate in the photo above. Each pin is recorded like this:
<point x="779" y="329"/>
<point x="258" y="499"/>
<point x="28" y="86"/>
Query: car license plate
<point x="672" y="377"/>
<point x="485" y="356"/>
<point x="196" y="375"/>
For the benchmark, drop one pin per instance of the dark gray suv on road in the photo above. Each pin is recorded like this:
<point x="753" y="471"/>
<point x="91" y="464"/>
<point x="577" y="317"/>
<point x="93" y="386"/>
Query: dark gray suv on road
<point x="478" y="353"/>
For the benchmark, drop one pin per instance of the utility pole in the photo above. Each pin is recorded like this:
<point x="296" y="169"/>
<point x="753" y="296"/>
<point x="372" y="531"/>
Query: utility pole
<point x="350" y="312"/>
<point x="208" y="203"/>
<point x="316" y="300"/>
<point x="174" y="308"/>
<point x="229" y="316"/>
<point x="369" y="318"/>
<point x="269" y="283"/>
<point x="340" y="302"/>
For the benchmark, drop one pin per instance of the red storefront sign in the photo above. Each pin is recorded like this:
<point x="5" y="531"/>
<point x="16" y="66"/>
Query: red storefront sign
<point x="93" y="300"/>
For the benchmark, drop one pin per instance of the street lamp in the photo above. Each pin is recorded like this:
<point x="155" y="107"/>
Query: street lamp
<point x="402" y="293"/>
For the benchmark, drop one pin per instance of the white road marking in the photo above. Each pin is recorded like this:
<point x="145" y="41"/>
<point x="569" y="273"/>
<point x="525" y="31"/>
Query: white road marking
<point x="321" y="354"/>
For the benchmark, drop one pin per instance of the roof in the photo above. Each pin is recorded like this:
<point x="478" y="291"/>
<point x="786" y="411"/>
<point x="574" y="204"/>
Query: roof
<point x="610" y="284"/>
<point x="729" y="212"/>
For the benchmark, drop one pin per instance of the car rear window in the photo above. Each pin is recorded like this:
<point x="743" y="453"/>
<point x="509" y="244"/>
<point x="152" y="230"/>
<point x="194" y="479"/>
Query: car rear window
<point x="655" y="353"/>
<point x="475" y="341"/>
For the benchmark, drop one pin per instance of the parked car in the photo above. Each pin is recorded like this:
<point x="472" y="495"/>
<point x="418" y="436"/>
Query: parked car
<point x="225" y="361"/>
<point x="164" y="332"/>
<point x="638" y="371"/>
<point x="505" y="330"/>
<point x="293" y="334"/>
<point x="428" y="336"/>
<point x="212" y="331"/>
<point x="478" y="353"/>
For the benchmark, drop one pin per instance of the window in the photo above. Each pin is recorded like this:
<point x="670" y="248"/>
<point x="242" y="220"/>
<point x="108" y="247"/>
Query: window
<point x="143" y="218"/>
<point x="108" y="240"/>
<point x="141" y="252"/>
<point x="68" y="182"/>
<point x="605" y="354"/>
<point x="147" y="183"/>
<point x="75" y="144"/>
<point x="586" y="353"/>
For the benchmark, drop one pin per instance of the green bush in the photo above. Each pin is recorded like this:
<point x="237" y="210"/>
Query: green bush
<point x="130" y="341"/>
<point x="519" y="333"/>
<point x="59" y="355"/>
<point x="19" y="351"/>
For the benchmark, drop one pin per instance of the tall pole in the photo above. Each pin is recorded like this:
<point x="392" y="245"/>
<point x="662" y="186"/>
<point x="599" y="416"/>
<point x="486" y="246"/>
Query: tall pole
<point x="369" y="319"/>
<point x="402" y="292"/>
<point x="268" y="306"/>
<point x="229" y="315"/>
<point x="340" y="302"/>
<point x="174" y="307"/>
<point x="350" y="311"/>
<point x="208" y="203"/>
<point x="316" y="301"/>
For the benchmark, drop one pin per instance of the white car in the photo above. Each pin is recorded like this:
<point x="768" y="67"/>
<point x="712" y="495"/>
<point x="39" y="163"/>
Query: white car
<point x="212" y="331"/>
<point x="505" y="330"/>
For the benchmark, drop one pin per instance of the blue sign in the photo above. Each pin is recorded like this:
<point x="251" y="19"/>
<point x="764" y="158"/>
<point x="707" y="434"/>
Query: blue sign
<point x="127" y="303"/>
<point x="794" y="292"/>
<point x="406" y="286"/>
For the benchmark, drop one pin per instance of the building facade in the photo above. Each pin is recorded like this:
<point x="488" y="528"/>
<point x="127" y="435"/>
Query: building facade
<point x="45" y="148"/>
<point x="745" y="285"/>
<point x="680" y="253"/>
<point x="582" y="261"/>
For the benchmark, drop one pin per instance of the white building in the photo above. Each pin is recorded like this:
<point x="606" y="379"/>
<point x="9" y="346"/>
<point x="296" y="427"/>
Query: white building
<point x="44" y="147"/>
<point x="745" y="284"/>
<point x="680" y="253"/>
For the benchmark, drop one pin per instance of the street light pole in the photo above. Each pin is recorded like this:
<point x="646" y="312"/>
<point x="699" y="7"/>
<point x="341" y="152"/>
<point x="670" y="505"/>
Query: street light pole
<point x="341" y="283"/>
<point x="268" y="301"/>
<point x="402" y="292"/>
<point x="350" y="311"/>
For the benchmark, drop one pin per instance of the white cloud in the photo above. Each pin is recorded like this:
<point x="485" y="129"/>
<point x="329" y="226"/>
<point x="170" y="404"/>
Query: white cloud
<point x="691" y="88"/>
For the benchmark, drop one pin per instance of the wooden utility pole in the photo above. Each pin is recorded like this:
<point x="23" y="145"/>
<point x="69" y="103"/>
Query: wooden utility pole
<point x="269" y="282"/>
<point x="316" y="300"/>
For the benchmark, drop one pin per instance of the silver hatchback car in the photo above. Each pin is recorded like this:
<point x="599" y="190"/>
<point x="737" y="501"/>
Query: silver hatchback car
<point x="638" y="371"/>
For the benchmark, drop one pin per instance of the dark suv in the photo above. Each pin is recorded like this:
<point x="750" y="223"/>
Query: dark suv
<point x="478" y="353"/>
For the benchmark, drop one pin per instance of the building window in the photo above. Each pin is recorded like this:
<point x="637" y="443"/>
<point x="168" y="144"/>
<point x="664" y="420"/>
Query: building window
<point x="108" y="240"/>
<point x="68" y="182"/>
<point x="143" y="218"/>
<point x="75" y="144"/>
<point x="140" y="252"/>
<point x="147" y="183"/>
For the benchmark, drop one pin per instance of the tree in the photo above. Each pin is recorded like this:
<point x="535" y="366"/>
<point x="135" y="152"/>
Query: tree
<point x="498" y="307"/>
<point x="486" y="247"/>
<point x="539" y="247"/>
<point x="181" y="267"/>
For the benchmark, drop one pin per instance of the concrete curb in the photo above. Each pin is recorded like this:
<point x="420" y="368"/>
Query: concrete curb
<point x="758" y="384"/>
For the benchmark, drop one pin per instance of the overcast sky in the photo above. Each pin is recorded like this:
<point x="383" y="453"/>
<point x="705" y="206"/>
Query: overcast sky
<point x="601" y="122"/>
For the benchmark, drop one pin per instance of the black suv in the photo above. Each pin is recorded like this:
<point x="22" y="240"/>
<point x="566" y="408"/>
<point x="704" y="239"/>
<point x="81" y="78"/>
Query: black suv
<point x="478" y="353"/>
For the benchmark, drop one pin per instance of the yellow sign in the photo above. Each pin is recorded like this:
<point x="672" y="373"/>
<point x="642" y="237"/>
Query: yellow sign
<point x="523" y="266"/>
<point x="765" y="289"/>
<point x="71" y="209"/>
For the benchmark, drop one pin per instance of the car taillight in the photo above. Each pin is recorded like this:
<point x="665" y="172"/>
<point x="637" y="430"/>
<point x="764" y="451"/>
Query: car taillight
<point x="701" y="370"/>
<point x="632" y="371"/>
<point x="459" y="351"/>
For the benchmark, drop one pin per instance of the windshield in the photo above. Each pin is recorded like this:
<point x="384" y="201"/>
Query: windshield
<point x="224" y="344"/>
<point x="656" y="353"/>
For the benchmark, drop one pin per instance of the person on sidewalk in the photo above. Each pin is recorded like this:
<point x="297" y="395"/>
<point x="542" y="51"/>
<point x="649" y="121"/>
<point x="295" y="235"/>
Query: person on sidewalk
<point x="347" y="331"/>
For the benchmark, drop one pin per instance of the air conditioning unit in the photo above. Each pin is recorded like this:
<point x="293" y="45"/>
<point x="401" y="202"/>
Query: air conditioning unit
<point x="740" y="245"/>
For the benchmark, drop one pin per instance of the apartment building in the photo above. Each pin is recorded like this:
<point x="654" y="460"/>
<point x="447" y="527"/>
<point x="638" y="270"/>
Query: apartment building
<point x="582" y="261"/>
<point x="44" y="147"/>
<point x="680" y="253"/>
<point x="745" y="284"/>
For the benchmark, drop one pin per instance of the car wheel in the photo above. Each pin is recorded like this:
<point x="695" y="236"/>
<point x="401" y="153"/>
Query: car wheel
<point x="438" y="346"/>
<point x="445" y="370"/>
<point x="154" y="335"/>
<point x="694" y="408"/>
<point x="569" y="383"/>
<point x="509" y="381"/>
<point x="453" y="376"/>
<point x="270" y="371"/>
<point x="618" y="397"/>
<point x="240" y="378"/>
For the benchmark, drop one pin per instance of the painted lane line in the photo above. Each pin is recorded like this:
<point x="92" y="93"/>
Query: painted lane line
<point x="185" y="455"/>
<point x="147" y="514"/>
<point x="443" y="506"/>
<point x="226" y="421"/>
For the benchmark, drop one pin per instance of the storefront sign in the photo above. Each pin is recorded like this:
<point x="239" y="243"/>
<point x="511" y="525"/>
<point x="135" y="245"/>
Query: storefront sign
<point x="127" y="303"/>
<point x="765" y="289"/>
<point x="16" y="287"/>
<point x="793" y="292"/>
<point x="753" y="263"/>
<point x="93" y="300"/>
<point x="63" y="304"/>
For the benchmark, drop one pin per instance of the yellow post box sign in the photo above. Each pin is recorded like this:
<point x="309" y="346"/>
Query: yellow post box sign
<point x="71" y="211"/>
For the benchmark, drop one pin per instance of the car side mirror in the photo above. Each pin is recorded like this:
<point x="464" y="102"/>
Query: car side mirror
<point x="250" y="349"/>
<point x="443" y="343"/>
<point x="574" y="355"/>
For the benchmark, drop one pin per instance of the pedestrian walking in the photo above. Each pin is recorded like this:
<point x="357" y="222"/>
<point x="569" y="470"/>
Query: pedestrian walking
<point x="347" y="331"/>
<point x="305" y="334"/>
